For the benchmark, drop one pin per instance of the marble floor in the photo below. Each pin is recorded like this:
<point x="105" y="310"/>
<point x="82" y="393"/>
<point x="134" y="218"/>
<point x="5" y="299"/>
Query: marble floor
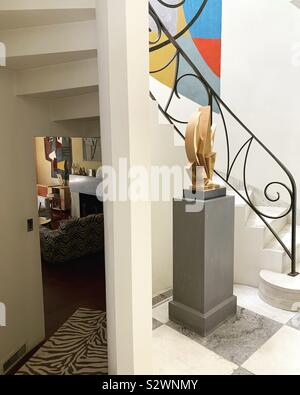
<point x="260" y="340"/>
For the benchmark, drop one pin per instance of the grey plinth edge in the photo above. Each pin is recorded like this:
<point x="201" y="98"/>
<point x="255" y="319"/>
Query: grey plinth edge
<point x="203" y="263"/>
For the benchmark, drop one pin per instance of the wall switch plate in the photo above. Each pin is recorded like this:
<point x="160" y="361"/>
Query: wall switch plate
<point x="30" y="225"/>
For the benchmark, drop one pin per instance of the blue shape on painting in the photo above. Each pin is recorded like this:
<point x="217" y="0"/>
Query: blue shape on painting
<point x="209" y="25"/>
<point x="189" y="86"/>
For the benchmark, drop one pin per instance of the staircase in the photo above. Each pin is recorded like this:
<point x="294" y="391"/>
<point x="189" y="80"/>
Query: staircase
<point x="260" y="261"/>
<point x="256" y="249"/>
<point x="266" y="242"/>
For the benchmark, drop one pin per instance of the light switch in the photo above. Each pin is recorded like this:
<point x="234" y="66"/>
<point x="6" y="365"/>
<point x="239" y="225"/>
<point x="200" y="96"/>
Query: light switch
<point x="30" y="225"/>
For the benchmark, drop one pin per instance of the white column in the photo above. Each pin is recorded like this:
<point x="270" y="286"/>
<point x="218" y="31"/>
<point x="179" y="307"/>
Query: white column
<point x="124" y="112"/>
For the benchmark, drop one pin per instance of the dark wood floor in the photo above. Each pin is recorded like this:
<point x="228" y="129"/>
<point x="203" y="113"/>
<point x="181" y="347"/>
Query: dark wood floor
<point x="67" y="287"/>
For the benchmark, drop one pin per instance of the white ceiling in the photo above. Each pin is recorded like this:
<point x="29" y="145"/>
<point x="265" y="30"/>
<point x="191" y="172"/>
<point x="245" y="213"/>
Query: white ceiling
<point x="29" y="18"/>
<point x="33" y="61"/>
<point x="58" y="94"/>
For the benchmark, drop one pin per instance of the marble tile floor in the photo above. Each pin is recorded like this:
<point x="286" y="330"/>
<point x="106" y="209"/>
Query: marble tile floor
<point x="260" y="340"/>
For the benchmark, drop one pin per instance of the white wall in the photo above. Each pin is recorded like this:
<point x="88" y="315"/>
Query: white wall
<point x="260" y="81"/>
<point x="75" y="107"/>
<point x="20" y="268"/>
<point x="167" y="149"/>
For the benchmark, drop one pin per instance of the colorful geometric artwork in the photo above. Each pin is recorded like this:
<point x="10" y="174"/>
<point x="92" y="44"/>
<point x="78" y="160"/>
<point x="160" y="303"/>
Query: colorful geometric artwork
<point x="58" y="151"/>
<point x="206" y="32"/>
<point x="202" y="43"/>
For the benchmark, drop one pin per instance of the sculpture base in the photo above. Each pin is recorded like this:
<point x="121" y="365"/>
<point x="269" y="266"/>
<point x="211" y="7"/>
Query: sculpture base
<point x="203" y="246"/>
<point x="201" y="194"/>
<point x="203" y="324"/>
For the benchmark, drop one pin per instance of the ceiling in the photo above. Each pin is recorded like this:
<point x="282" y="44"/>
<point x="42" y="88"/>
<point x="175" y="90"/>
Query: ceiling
<point x="58" y="94"/>
<point x="29" y="18"/>
<point x="33" y="61"/>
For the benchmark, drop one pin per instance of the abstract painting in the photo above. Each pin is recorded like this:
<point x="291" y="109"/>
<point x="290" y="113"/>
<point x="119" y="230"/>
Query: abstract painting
<point x="58" y="151"/>
<point x="202" y="43"/>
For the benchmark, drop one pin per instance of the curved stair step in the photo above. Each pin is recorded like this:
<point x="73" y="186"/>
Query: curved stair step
<point x="285" y="235"/>
<point x="280" y="290"/>
<point x="238" y="199"/>
<point x="278" y="250"/>
<point x="240" y="203"/>
<point x="254" y="221"/>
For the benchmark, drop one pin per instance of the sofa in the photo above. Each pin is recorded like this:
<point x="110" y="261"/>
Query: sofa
<point x="73" y="239"/>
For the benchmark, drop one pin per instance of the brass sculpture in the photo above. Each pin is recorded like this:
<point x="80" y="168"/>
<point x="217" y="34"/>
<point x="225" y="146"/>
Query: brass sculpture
<point x="199" y="144"/>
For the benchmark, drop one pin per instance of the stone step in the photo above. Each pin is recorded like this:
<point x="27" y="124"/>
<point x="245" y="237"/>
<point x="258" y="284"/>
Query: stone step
<point x="278" y="250"/>
<point x="280" y="290"/>
<point x="240" y="202"/>
<point x="254" y="221"/>
<point x="285" y="235"/>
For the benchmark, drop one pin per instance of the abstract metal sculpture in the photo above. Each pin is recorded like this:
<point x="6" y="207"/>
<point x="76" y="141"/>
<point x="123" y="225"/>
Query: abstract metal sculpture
<point x="199" y="143"/>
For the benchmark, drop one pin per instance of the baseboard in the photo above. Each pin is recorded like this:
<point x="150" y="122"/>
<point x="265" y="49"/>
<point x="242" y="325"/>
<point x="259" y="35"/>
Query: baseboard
<point x="203" y="324"/>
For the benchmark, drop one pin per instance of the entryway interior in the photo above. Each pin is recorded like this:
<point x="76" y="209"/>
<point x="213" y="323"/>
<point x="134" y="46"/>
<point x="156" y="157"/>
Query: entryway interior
<point x="51" y="86"/>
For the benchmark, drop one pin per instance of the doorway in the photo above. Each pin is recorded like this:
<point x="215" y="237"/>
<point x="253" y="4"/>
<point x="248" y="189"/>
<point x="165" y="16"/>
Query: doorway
<point x="71" y="229"/>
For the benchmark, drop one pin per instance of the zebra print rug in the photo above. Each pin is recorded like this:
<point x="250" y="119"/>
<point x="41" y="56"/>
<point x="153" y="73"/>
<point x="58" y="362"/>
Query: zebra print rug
<point x="79" y="347"/>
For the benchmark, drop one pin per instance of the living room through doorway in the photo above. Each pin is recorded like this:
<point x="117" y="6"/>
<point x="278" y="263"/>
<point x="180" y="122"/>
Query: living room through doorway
<point x="71" y="226"/>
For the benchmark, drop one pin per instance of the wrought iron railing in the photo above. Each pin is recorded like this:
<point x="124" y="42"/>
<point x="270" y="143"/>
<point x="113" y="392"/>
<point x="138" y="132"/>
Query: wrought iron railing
<point x="165" y="38"/>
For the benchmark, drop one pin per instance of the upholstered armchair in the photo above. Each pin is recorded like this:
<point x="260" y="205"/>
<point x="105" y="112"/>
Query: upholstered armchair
<point x="75" y="238"/>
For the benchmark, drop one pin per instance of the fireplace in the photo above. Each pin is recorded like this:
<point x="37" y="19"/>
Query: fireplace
<point x="83" y="192"/>
<point x="89" y="204"/>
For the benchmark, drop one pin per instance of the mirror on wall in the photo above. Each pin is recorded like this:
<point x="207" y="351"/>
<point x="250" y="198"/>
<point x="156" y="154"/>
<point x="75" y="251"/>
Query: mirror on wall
<point x="91" y="149"/>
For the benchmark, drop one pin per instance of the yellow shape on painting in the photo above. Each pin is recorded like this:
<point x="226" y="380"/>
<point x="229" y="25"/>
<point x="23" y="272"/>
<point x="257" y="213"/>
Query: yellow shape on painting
<point x="61" y="165"/>
<point x="161" y="57"/>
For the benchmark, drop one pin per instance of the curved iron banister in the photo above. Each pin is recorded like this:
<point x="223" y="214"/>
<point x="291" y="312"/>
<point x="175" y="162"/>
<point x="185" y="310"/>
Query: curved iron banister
<point x="213" y="96"/>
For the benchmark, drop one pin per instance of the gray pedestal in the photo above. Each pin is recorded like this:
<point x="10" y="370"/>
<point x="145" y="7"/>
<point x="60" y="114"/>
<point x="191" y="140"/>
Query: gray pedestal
<point x="204" y="195"/>
<point x="203" y="264"/>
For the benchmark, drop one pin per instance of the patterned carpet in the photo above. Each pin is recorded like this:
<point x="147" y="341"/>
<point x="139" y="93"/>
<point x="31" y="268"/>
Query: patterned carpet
<point x="79" y="347"/>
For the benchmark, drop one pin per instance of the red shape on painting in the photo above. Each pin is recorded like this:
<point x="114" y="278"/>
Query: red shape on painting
<point x="210" y="49"/>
